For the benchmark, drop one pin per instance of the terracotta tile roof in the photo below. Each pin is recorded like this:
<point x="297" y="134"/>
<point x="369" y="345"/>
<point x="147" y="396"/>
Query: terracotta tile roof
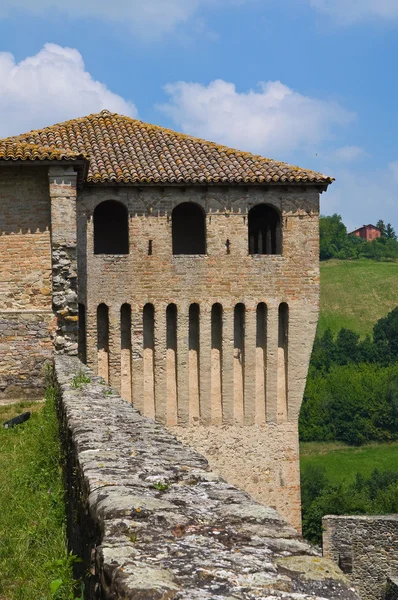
<point x="17" y="150"/>
<point x="124" y="150"/>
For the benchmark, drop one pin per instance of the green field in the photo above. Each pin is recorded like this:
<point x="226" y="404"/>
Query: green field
<point x="355" y="294"/>
<point x="342" y="462"/>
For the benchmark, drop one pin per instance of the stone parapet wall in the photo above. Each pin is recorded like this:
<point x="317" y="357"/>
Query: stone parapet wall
<point x="366" y="548"/>
<point x="152" y="521"/>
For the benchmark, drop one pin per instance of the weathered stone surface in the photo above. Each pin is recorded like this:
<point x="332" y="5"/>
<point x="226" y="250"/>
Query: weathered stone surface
<point x="366" y="547"/>
<point x="152" y="522"/>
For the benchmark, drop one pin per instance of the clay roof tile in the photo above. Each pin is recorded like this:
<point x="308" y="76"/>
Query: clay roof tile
<point x="122" y="149"/>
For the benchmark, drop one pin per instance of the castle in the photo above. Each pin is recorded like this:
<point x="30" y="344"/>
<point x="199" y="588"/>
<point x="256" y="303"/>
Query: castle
<point x="185" y="273"/>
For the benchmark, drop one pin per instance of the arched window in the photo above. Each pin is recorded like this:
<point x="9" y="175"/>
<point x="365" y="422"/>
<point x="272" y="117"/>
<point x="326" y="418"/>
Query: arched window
<point x="265" y="235"/>
<point x="189" y="229"/>
<point x="111" y="228"/>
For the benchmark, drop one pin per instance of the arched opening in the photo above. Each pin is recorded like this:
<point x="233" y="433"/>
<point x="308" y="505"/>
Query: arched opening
<point x="125" y="348"/>
<point x="171" y="364"/>
<point x="261" y="362"/>
<point x="103" y="341"/>
<point x="189" y="229"/>
<point x="193" y="365"/>
<point x="111" y="228"/>
<point x="283" y="362"/>
<point x="265" y="233"/>
<point x="82" y="334"/>
<point x="216" y="363"/>
<point x="149" y="360"/>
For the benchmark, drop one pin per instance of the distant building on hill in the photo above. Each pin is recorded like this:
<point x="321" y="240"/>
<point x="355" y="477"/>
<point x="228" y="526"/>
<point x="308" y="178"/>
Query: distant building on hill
<point x="367" y="232"/>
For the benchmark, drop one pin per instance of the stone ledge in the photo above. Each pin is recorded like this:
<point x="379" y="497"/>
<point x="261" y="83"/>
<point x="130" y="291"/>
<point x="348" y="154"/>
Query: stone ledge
<point x="151" y="521"/>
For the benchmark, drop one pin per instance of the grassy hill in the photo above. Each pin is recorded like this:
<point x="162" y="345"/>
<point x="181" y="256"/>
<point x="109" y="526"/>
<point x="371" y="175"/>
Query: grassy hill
<point x="335" y="455"/>
<point x="355" y="294"/>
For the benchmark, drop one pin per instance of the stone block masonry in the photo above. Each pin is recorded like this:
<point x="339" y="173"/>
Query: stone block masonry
<point x="366" y="548"/>
<point x="152" y="521"/>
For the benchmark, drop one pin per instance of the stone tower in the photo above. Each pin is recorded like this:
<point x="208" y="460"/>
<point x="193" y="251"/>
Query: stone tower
<point x="183" y="272"/>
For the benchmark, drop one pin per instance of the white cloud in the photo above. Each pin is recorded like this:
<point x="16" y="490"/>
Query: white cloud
<point x="148" y="18"/>
<point x="353" y="10"/>
<point x="349" y="153"/>
<point x="274" y="120"/>
<point x="49" y="87"/>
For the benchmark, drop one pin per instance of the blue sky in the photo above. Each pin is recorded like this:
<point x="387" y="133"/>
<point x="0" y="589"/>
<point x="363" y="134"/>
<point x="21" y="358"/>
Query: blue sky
<point x="312" y="82"/>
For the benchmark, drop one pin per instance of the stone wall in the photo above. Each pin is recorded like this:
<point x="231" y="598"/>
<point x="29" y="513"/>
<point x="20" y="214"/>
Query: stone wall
<point x="26" y="318"/>
<point x="366" y="548"/>
<point x="263" y="460"/>
<point x="152" y="521"/>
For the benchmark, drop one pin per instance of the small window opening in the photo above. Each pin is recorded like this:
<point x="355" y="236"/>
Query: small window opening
<point x="189" y="229"/>
<point x="103" y="341"/>
<point x="228" y="246"/>
<point x="111" y="228"/>
<point x="345" y="563"/>
<point x="265" y="235"/>
<point x="150" y="248"/>
<point x="82" y="334"/>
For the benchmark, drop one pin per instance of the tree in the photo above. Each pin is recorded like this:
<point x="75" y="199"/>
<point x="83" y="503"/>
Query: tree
<point x="333" y="236"/>
<point x="390" y="233"/>
<point x="385" y="334"/>
<point x="380" y="225"/>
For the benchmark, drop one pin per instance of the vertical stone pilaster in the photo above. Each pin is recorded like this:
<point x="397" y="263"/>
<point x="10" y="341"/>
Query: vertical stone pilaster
<point x="137" y="358"/>
<point x="114" y="348"/>
<point x="272" y="362"/>
<point x="205" y="364"/>
<point x="62" y="189"/>
<point x="182" y="364"/>
<point x="160" y="363"/>
<point x="91" y="337"/>
<point x="250" y="367"/>
<point x="228" y="366"/>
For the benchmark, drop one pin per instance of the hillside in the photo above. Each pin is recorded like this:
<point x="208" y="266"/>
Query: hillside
<point x="363" y="460"/>
<point x="355" y="294"/>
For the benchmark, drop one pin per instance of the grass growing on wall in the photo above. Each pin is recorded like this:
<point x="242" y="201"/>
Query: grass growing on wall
<point x="34" y="562"/>
<point x="356" y="293"/>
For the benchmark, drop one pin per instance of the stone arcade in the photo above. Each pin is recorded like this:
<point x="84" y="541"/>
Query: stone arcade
<point x="184" y="273"/>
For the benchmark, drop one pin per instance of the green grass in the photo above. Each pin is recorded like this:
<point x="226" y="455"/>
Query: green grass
<point x="355" y="294"/>
<point x="343" y="462"/>
<point x="34" y="562"/>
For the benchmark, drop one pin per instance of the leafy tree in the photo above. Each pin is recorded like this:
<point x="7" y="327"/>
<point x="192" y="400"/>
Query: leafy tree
<point x="385" y="334"/>
<point x="377" y="494"/>
<point x="333" y="236"/>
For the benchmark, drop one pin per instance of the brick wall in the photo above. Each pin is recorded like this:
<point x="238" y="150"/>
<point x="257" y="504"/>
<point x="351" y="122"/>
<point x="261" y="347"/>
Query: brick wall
<point x="26" y="319"/>
<point x="228" y="278"/>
